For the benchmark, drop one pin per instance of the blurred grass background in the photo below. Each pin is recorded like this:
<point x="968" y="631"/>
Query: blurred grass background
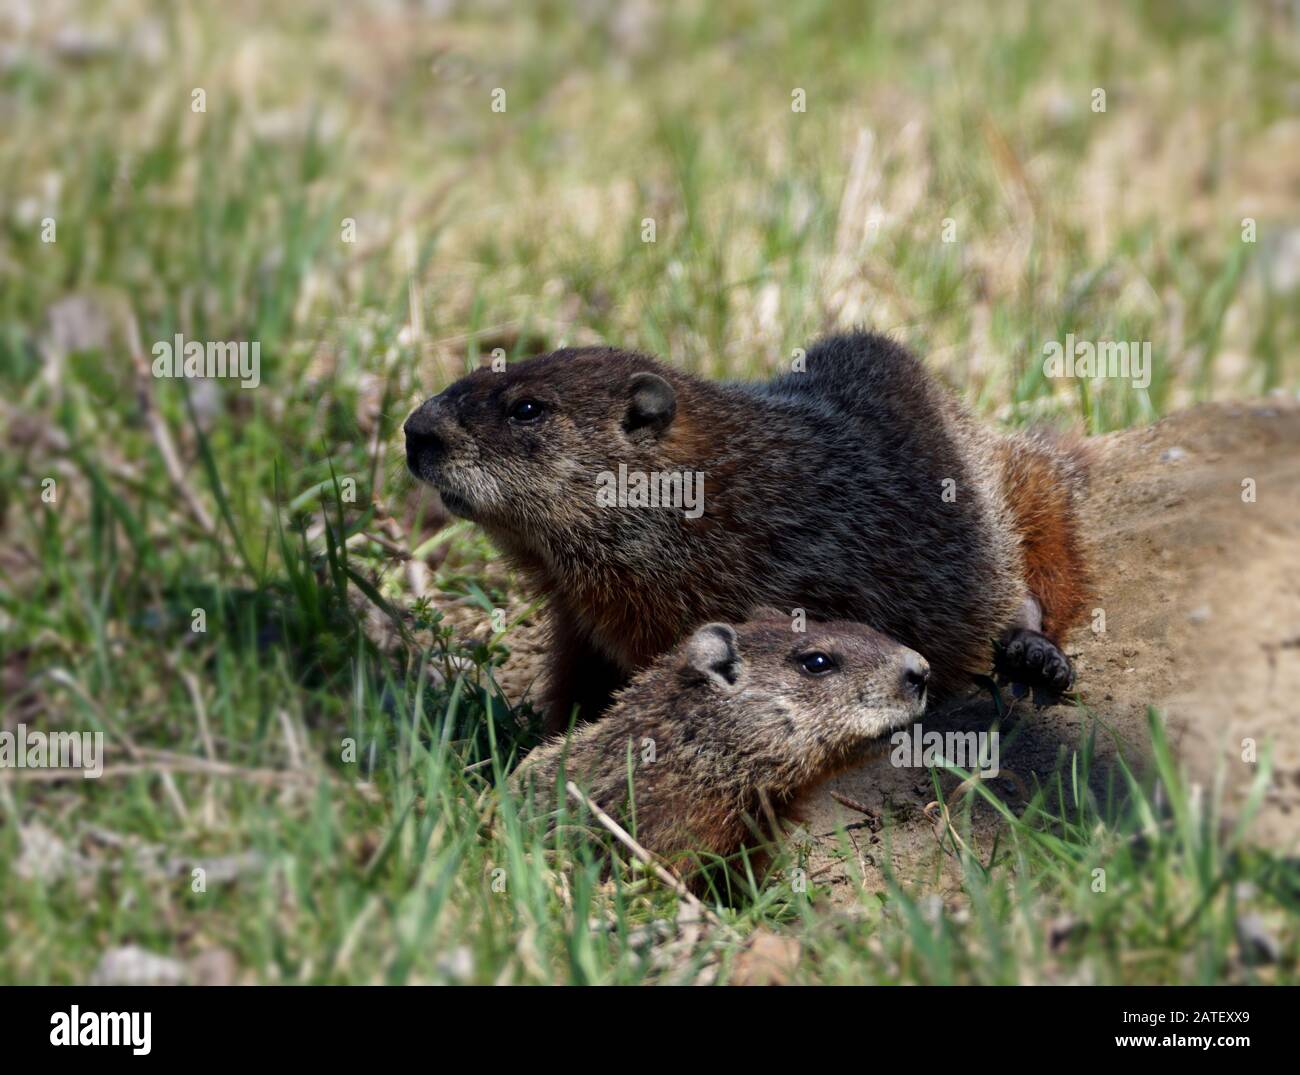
<point x="523" y="230"/>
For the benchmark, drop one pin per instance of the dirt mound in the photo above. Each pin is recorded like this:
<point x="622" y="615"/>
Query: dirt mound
<point x="1194" y="531"/>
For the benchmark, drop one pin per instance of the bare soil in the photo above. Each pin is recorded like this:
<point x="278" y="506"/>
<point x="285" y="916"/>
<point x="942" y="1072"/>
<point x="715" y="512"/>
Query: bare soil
<point x="1200" y="592"/>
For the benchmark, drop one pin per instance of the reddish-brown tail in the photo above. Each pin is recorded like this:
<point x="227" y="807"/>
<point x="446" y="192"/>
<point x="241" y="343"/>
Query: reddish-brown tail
<point x="1044" y="479"/>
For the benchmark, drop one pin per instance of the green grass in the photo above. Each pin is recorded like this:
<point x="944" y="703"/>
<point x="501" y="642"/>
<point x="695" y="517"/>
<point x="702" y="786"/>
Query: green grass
<point x="522" y="230"/>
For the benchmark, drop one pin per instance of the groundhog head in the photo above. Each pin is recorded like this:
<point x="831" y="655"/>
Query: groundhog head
<point x="526" y="452"/>
<point x="821" y="698"/>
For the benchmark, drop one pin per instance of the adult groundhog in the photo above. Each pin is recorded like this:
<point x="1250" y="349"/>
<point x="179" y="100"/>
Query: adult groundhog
<point x="855" y="489"/>
<point x="727" y="733"/>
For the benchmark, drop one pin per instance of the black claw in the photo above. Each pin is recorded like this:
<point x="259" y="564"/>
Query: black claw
<point x="1029" y="659"/>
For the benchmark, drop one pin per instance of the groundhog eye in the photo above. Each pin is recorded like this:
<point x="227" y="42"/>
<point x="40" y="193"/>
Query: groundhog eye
<point x="816" y="664"/>
<point x="526" y="410"/>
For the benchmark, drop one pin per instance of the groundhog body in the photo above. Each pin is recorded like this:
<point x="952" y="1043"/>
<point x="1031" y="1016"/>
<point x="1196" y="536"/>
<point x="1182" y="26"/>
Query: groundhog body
<point x="723" y="736"/>
<point x="854" y="489"/>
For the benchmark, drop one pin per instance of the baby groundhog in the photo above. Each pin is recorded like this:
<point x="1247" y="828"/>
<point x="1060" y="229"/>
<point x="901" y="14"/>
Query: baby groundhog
<point x="725" y="734"/>
<point x="855" y="488"/>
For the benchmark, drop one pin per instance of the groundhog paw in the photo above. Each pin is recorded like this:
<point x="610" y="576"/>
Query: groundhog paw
<point x="1029" y="660"/>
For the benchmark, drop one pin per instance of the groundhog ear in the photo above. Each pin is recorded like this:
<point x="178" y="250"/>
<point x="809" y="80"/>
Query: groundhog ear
<point x="651" y="403"/>
<point x="712" y="654"/>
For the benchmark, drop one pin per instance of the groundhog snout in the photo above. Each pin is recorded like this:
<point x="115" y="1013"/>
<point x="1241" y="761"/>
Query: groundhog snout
<point x="424" y="442"/>
<point x="916" y="676"/>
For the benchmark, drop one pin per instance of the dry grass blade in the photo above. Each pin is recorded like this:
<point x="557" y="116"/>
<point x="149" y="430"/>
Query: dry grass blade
<point x="158" y="428"/>
<point x="644" y="856"/>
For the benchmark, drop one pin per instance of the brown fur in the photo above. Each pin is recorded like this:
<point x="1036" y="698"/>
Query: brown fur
<point x="740" y="733"/>
<point x="1042" y="480"/>
<point x="824" y="489"/>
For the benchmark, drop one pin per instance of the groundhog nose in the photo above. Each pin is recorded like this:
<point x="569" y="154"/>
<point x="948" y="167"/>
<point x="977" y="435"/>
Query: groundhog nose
<point x="421" y="429"/>
<point x="916" y="675"/>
